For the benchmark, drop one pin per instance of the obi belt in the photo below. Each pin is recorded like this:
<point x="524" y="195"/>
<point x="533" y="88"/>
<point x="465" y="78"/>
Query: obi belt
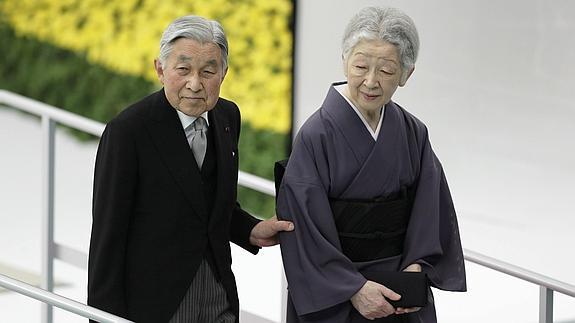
<point x="368" y="229"/>
<point x="371" y="229"/>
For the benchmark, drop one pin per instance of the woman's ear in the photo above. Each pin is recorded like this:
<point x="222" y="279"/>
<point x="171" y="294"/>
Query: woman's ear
<point x="404" y="80"/>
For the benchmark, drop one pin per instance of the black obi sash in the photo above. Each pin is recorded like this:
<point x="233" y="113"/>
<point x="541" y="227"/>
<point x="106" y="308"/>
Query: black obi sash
<point x="368" y="229"/>
<point x="373" y="229"/>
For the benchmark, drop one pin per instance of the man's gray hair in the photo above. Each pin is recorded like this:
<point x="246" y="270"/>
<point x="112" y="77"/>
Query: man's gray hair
<point x="196" y="28"/>
<point x="388" y="24"/>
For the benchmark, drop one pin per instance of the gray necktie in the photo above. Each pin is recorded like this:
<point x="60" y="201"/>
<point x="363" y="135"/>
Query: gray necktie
<point x="196" y="134"/>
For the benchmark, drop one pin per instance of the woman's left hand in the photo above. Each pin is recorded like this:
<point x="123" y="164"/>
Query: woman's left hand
<point x="405" y="310"/>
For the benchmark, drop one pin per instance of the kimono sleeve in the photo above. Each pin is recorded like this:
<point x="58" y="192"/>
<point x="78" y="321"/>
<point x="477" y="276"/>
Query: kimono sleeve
<point x="433" y="235"/>
<point x="319" y="275"/>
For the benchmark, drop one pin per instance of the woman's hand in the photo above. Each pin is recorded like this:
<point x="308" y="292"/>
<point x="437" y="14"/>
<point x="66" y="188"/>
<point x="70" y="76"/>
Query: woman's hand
<point x="404" y="310"/>
<point x="370" y="301"/>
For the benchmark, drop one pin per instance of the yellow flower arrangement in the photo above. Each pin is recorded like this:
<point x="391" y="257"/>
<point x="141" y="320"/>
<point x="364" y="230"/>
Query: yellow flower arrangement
<point x="124" y="36"/>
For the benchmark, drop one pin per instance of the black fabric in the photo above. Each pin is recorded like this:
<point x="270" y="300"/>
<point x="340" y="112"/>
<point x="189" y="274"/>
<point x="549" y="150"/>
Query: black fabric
<point x="209" y="171"/>
<point x="150" y="214"/>
<point x="209" y="180"/>
<point x="373" y="229"/>
<point x="412" y="286"/>
<point x="279" y="170"/>
<point x="368" y="229"/>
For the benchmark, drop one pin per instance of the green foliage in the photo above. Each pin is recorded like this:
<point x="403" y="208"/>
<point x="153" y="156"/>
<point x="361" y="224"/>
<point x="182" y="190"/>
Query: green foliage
<point x="259" y="150"/>
<point x="64" y="79"/>
<point x="67" y="80"/>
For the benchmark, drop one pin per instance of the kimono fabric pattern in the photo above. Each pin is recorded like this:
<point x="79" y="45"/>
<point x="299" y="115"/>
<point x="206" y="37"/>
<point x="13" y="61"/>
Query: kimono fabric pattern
<point x="335" y="157"/>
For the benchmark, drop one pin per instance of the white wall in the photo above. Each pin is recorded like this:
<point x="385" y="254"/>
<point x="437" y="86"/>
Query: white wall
<point x="495" y="83"/>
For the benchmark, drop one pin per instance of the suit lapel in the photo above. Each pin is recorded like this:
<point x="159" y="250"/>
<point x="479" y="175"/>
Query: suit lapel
<point x="220" y="124"/>
<point x="170" y="140"/>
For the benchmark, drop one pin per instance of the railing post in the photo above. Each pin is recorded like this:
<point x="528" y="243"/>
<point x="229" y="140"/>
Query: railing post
<point x="48" y="148"/>
<point x="284" y="297"/>
<point x="545" y="305"/>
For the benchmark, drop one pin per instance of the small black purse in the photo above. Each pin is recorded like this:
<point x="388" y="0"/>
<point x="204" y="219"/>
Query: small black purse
<point x="412" y="286"/>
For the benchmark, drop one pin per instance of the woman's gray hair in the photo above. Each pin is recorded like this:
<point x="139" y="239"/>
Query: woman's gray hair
<point x="388" y="24"/>
<point x="196" y="28"/>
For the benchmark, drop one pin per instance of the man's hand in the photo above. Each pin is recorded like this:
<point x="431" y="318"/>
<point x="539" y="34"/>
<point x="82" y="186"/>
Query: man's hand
<point x="265" y="233"/>
<point x="403" y="310"/>
<point x="370" y="300"/>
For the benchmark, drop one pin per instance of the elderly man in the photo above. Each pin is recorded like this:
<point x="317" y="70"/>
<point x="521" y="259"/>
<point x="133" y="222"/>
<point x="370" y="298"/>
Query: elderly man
<point x="164" y="207"/>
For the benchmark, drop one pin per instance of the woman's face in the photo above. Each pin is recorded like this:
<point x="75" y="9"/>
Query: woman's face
<point x="373" y="73"/>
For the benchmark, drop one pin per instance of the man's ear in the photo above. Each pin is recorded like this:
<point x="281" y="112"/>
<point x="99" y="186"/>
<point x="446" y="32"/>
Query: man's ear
<point x="403" y="81"/>
<point x="225" y="73"/>
<point x="159" y="70"/>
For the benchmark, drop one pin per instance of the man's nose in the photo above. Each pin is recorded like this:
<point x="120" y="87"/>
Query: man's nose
<point x="194" y="83"/>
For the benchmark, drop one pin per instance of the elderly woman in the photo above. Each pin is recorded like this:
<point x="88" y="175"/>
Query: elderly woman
<point x="365" y="190"/>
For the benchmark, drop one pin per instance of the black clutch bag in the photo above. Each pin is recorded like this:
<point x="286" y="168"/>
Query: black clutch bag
<point x="412" y="286"/>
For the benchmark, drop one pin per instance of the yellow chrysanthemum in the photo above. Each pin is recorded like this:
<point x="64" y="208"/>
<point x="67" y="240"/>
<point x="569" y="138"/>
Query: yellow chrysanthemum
<point x="124" y="36"/>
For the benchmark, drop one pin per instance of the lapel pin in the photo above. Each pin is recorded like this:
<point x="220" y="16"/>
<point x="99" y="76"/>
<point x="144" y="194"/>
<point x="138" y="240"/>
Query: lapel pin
<point x="227" y="129"/>
<point x="233" y="153"/>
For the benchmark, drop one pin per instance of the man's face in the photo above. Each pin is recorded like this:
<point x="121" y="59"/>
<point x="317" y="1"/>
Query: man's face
<point x="192" y="76"/>
<point x="373" y="73"/>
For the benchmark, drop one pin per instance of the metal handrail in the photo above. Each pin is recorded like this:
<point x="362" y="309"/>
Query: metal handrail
<point x="50" y="249"/>
<point x="547" y="284"/>
<point x="58" y="115"/>
<point x="519" y="272"/>
<point x="59" y="301"/>
<point x="96" y="128"/>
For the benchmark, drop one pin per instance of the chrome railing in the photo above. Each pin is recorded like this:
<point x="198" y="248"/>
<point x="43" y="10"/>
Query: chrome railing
<point x="50" y="116"/>
<point x="59" y="301"/>
<point x="547" y="285"/>
<point x="51" y="250"/>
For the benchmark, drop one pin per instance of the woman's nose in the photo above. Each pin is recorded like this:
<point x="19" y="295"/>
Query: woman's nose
<point x="370" y="79"/>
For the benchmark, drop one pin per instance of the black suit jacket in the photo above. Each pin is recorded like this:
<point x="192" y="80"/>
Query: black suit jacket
<point x="151" y="228"/>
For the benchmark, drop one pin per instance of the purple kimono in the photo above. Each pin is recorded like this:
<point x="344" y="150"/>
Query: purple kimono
<point x="335" y="156"/>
